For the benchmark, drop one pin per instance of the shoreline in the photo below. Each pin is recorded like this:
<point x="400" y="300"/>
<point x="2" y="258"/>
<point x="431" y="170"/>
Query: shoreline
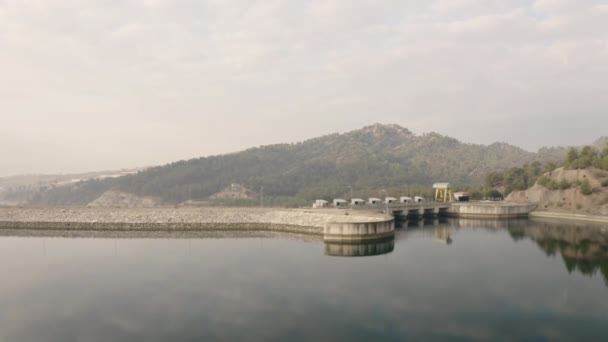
<point x="555" y="216"/>
<point x="159" y="227"/>
<point x="158" y="234"/>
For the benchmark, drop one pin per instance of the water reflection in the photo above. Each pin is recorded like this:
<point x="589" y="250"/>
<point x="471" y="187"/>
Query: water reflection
<point x="360" y="249"/>
<point x="492" y="283"/>
<point x="583" y="248"/>
<point x="442" y="235"/>
<point x="437" y="229"/>
<point x="416" y="222"/>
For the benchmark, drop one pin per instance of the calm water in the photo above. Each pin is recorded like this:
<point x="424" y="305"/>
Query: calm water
<point x="456" y="280"/>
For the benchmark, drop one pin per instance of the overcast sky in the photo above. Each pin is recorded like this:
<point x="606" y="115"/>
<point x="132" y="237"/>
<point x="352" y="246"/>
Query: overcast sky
<point x="89" y="85"/>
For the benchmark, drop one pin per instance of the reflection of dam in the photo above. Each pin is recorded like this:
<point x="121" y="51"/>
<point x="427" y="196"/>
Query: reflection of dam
<point x="442" y="235"/>
<point x="368" y="248"/>
<point x="422" y="222"/>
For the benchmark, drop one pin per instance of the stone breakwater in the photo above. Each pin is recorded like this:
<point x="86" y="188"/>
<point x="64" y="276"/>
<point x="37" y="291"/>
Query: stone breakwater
<point x="183" y="218"/>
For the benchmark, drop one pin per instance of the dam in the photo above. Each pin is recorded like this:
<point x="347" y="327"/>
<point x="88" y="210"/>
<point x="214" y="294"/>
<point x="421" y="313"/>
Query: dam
<point x="355" y="224"/>
<point x="481" y="209"/>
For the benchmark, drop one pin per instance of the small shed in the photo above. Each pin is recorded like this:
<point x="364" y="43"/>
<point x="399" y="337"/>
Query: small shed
<point x="461" y="196"/>
<point x="418" y="199"/>
<point x="390" y="200"/>
<point x="320" y="204"/>
<point x="406" y="199"/>
<point x="340" y="203"/>
<point x="374" y="200"/>
<point x="357" y="201"/>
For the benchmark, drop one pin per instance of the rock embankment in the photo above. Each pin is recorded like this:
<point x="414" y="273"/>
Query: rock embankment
<point x="183" y="218"/>
<point x="567" y="195"/>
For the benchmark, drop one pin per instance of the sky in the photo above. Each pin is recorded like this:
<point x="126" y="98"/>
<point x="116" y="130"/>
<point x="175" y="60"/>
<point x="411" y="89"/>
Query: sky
<point x="108" y="84"/>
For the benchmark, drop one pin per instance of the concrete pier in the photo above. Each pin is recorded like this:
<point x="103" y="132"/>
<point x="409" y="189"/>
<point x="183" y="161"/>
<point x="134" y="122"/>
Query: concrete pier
<point x="359" y="231"/>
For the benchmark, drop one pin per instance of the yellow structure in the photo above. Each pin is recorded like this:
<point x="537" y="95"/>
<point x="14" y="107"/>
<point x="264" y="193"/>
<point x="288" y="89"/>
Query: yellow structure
<point x="442" y="192"/>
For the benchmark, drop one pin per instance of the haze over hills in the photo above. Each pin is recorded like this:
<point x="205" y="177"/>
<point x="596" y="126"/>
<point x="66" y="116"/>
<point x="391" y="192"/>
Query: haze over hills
<point x="19" y="188"/>
<point x="600" y="143"/>
<point x="369" y="158"/>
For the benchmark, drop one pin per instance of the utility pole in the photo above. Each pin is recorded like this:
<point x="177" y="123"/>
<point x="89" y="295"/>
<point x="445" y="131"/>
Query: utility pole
<point x="261" y="196"/>
<point x="351" y="193"/>
<point x="385" y="201"/>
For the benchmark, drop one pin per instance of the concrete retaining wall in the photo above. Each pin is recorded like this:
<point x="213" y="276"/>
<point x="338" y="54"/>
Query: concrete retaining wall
<point x="498" y="210"/>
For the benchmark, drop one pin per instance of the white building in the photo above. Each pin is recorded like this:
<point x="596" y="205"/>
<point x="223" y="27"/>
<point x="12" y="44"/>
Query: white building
<point x="357" y="201"/>
<point x="390" y="200"/>
<point x="340" y="203"/>
<point x="406" y="199"/>
<point x="373" y="200"/>
<point x="461" y="196"/>
<point x="418" y="199"/>
<point x="320" y="204"/>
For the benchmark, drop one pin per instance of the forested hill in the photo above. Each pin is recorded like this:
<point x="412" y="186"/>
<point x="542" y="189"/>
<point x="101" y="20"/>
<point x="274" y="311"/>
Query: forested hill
<point x="369" y="158"/>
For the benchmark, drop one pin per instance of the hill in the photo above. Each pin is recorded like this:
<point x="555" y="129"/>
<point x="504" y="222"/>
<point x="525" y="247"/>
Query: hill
<point x="583" y="191"/>
<point x="377" y="156"/>
<point x="580" y="186"/>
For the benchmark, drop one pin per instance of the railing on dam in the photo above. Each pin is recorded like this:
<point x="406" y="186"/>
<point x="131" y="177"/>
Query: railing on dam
<point x="402" y="207"/>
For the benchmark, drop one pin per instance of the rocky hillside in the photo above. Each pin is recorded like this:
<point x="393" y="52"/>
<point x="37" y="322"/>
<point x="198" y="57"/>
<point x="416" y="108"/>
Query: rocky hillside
<point x="112" y="198"/>
<point x="370" y="158"/>
<point x="583" y="191"/>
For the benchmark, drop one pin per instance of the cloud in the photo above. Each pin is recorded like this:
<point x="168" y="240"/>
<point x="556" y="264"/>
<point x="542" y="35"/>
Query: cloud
<point x="233" y="74"/>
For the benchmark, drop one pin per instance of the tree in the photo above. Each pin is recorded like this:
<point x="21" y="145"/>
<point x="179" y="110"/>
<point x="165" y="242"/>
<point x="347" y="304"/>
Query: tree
<point x="550" y="166"/>
<point x="493" y="179"/>
<point x="493" y="193"/>
<point x="571" y="156"/>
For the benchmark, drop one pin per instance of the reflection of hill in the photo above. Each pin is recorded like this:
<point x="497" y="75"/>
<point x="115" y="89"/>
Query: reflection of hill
<point x="367" y="248"/>
<point x="583" y="248"/>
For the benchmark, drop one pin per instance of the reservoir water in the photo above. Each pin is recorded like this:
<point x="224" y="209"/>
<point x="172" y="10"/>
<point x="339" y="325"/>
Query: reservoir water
<point x="436" y="280"/>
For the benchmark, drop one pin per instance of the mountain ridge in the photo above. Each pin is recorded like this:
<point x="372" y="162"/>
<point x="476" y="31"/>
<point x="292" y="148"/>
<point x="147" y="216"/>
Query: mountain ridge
<point x="373" y="157"/>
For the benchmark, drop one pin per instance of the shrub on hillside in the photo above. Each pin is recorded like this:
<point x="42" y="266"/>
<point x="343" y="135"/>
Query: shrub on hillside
<point x="543" y="180"/>
<point x="553" y="185"/>
<point x="564" y="184"/>
<point x="586" y="187"/>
